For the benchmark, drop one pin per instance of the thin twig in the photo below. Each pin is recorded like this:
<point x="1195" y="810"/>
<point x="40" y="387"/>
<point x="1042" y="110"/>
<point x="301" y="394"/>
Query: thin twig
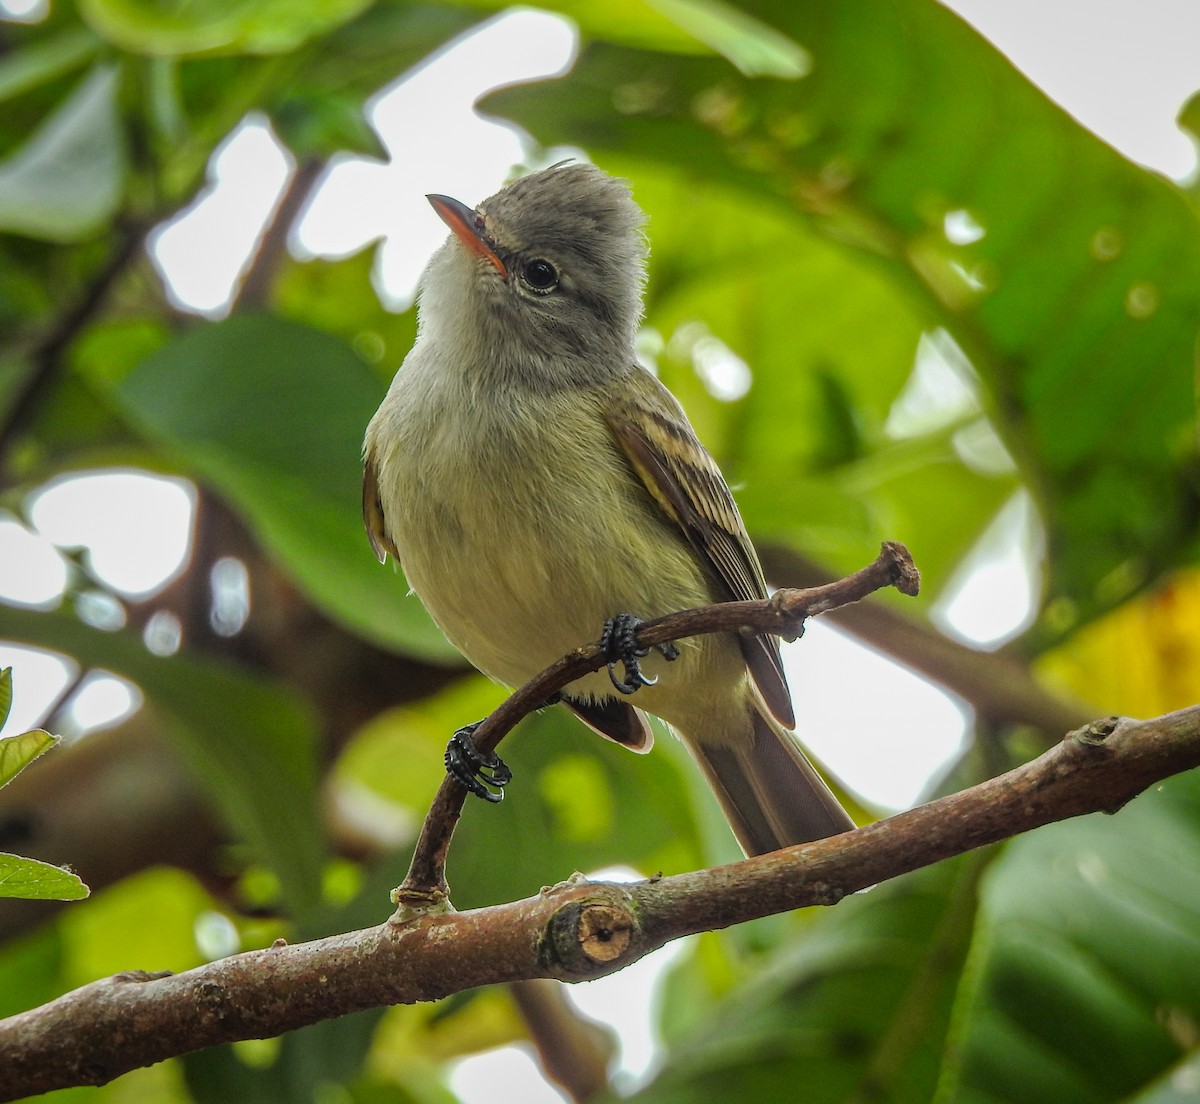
<point x="783" y="614"/>
<point x="998" y="685"/>
<point x="48" y="356"/>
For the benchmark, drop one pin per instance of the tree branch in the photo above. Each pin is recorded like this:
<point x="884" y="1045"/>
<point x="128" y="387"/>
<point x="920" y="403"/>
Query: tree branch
<point x="573" y="931"/>
<point x="47" y="356"/>
<point x="997" y="684"/>
<point x="271" y="250"/>
<point x="574" y="1052"/>
<point x="783" y="614"/>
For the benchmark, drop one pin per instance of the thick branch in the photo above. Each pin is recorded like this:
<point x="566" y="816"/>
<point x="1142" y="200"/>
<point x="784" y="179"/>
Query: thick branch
<point x="783" y="614"/>
<point x="573" y="931"/>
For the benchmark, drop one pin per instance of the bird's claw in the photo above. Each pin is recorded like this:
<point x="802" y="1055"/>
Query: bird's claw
<point x="619" y="644"/>
<point x="474" y="770"/>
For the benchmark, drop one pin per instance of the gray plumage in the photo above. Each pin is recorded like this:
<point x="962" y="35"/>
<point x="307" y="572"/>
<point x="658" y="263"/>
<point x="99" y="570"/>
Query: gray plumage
<point x="533" y="480"/>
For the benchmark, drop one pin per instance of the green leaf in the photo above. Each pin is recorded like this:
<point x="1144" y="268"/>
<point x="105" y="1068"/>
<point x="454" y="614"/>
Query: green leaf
<point x="855" y="1006"/>
<point x="29" y="879"/>
<point x="338" y="296"/>
<point x="1176" y="1086"/>
<point x="328" y="1053"/>
<point x="37" y="63"/>
<point x="679" y="26"/>
<point x="17" y="752"/>
<point x="757" y="49"/>
<point x="377" y="48"/>
<point x="324" y="123"/>
<point x="216" y="26"/>
<point x="272" y="414"/>
<point x="1086" y="978"/>
<point x="65" y="182"/>
<point x="146" y="921"/>
<point x="6" y="696"/>
<point x="252" y="746"/>
<point x="31" y="970"/>
<point x="32" y="880"/>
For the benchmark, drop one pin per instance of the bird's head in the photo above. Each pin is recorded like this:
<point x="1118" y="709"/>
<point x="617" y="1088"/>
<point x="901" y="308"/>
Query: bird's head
<point x="552" y="265"/>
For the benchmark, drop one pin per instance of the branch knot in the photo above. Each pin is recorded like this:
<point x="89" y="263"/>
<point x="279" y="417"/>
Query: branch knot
<point x="1095" y="732"/>
<point x="591" y="936"/>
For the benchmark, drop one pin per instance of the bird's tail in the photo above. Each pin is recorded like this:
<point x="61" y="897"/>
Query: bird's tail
<point x="771" y="794"/>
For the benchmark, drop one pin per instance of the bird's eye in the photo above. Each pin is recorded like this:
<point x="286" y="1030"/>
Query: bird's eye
<point x="540" y="275"/>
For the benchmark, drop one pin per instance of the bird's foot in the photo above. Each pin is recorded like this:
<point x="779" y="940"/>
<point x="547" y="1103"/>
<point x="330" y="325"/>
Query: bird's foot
<point x="476" y="771"/>
<point x="620" y="646"/>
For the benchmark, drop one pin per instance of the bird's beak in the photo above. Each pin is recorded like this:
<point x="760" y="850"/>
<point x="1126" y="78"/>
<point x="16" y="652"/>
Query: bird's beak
<point x="467" y="227"/>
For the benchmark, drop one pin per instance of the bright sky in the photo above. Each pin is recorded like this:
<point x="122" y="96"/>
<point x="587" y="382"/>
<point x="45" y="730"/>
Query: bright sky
<point x="1123" y="69"/>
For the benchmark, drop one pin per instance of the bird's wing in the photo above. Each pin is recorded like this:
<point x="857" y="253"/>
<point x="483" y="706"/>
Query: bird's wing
<point x="372" y="509"/>
<point x="685" y="481"/>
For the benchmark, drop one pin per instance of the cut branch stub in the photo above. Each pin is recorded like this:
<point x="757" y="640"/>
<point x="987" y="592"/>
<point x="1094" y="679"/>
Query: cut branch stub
<point x="593" y="936"/>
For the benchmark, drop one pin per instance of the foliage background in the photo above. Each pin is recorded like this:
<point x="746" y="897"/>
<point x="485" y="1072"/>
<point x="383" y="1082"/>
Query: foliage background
<point x="798" y="163"/>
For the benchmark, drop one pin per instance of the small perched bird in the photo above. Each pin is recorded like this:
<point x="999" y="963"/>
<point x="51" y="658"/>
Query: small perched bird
<point x="536" y="483"/>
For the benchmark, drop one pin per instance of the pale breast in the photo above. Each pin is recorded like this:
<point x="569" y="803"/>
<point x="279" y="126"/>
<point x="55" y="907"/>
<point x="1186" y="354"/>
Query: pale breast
<point x="523" y="530"/>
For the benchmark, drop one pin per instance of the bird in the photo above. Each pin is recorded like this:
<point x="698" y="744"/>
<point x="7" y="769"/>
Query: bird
<point x="537" y="484"/>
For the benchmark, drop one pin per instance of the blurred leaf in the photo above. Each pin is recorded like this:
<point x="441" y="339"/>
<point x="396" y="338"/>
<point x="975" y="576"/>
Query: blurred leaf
<point x="6" y="697"/>
<point x="398" y="754"/>
<point x="32" y="880"/>
<point x="625" y="810"/>
<point x="30" y="970"/>
<point x="320" y="124"/>
<point x="145" y="922"/>
<point x="1083" y="285"/>
<point x="757" y="49"/>
<point x="74" y="427"/>
<point x="216" y="26"/>
<point x="1176" y="1086"/>
<point x="195" y="102"/>
<point x="371" y="1091"/>
<point x="412" y="1038"/>
<point x="108" y="351"/>
<point x="250" y="745"/>
<point x="577" y="802"/>
<point x="375" y="49"/>
<point x="1141" y="660"/>
<point x="858" y="1009"/>
<point x="644" y="23"/>
<point x="39" y="62"/>
<point x="65" y="182"/>
<point x="157" y="1084"/>
<point x="1085" y="985"/>
<point x="1189" y="116"/>
<point x="339" y="297"/>
<point x="272" y="414"/>
<point x="17" y="752"/>
<point x="304" y="1066"/>
<point x="923" y="493"/>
